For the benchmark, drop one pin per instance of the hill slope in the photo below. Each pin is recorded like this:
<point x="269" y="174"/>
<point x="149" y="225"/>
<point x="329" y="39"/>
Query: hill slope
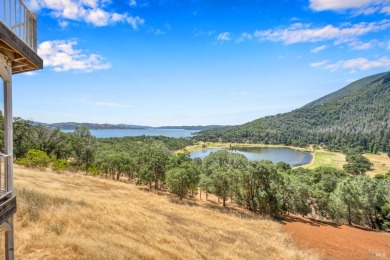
<point x="72" y="216"/>
<point x="355" y="116"/>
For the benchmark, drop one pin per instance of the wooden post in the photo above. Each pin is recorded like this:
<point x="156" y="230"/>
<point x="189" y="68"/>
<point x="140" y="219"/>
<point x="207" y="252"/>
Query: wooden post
<point x="8" y="149"/>
<point x="6" y="74"/>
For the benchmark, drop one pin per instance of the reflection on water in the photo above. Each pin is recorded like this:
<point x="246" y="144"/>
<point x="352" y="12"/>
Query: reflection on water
<point x="288" y="155"/>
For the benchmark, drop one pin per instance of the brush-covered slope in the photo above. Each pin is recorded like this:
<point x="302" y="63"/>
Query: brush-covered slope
<point x="357" y="115"/>
<point x="72" y="216"/>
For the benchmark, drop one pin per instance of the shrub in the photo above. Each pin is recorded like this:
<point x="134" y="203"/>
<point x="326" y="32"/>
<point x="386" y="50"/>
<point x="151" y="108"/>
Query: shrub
<point x="35" y="158"/>
<point x="93" y="170"/>
<point x="60" y="165"/>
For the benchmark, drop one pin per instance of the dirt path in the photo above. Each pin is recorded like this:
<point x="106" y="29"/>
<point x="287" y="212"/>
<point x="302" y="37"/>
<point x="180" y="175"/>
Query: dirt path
<point x="338" y="241"/>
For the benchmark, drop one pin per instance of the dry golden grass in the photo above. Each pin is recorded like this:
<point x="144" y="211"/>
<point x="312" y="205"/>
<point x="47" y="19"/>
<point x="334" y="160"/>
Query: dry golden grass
<point x="381" y="163"/>
<point x="72" y="216"/>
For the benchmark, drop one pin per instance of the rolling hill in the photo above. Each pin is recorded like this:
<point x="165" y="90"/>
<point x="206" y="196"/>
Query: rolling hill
<point x="72" y="216"/>
<point x="357" y="115"/>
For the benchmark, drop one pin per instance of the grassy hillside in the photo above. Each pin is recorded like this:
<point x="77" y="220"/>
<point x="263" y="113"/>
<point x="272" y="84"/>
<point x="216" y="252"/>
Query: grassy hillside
<point x="72" y="216"/>
<point x="355" y="116"/>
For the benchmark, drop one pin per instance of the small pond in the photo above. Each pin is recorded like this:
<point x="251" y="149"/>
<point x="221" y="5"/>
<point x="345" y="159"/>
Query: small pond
<point x="287" y="155"/>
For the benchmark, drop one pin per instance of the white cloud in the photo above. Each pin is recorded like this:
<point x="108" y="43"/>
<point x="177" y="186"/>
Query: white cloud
<point x="356" y="6"/>
<point x="135" y="22"/>
<point x="132" y="3"/>
<point x="90" y="11"/>
<point x="225" y="36"/>
<point x="357" y="45"/>
<point x="355" y="64"/>
<point x="199" y="33"/>
<point x="30" y="73"/>
<point x="63" y="24"/>
<point x="319" y="64"/>
<point x="388" y="45"/>
<point x="318" y="49"/>
<point x="298" y="32"/>
<point x="244" y="36"/>
<point x="159" y="32"/>
<point x="61" y="56"/>
<point x="386" y="10"/>
<point x="320" y="5"/>
<point x="110" y="104"/>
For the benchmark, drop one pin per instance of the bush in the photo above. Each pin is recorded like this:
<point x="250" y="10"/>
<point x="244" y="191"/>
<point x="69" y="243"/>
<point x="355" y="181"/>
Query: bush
<point x="93" y="170"/>
<point x="60" y="165"/>
<point x="35" y="158"/>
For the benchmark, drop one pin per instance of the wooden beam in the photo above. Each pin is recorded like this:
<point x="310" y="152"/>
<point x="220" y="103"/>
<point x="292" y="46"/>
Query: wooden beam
<point x="7" y="209"/>
<point x="20" y="47"/>
<point x="3" y="46"/>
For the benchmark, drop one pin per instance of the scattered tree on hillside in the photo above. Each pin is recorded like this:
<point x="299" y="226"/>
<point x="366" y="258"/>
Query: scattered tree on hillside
<point x="357" y="164"/>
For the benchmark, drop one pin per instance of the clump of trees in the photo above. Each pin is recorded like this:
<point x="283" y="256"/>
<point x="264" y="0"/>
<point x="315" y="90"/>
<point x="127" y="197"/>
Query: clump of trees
<point x="356" y="164"/>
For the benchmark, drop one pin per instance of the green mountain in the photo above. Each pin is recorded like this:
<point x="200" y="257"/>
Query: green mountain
<point x="357" y="115"/>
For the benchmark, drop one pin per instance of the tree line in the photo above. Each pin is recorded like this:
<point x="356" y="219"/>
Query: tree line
<point x="260" y="186"/>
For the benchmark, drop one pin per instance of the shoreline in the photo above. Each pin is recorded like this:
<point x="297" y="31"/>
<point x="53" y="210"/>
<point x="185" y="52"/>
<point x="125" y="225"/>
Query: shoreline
<point x="209" y="145"/>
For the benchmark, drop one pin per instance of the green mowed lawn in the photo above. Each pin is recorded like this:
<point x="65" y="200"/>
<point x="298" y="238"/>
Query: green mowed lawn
<point x="326" y="158"/>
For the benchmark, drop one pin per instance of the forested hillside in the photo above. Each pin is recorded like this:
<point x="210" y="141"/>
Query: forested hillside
<point x="355" y="116"/>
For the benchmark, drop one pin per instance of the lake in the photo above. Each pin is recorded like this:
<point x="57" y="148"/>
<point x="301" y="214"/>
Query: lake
<point x="287" y="155"/>
<point x="106" y="133"/>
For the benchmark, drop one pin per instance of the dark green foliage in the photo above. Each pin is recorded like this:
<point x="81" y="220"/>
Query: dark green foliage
<point x="259" y="187"/>
<point x="386" y="216"/>
<point x="181" y="180"/>
<point x="154" y="161"/>
<point x="222" y="169"/>
<point x="356" y="116"/>
<point x="27" y="136"/>
<point x="171" y="143"/>
<point x="84" y="146"/>
<point x="35" y="158"/>
<point x="360" y="200"/>
<point x="357" y="164"/>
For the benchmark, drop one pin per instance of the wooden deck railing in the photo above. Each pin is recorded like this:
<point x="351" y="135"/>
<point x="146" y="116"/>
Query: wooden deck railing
<point x="4" y="190"/>
<point x="16" y="16"/>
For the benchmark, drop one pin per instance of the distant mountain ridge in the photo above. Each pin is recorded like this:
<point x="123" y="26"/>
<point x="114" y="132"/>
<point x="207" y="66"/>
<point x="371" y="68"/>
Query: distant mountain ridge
<point x="350" y="89"/>
<point x="357" y="115"/>
<point x="95" y="126"/>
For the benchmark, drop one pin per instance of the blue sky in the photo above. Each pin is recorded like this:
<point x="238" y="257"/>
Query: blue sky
<point x="191" y="62"/>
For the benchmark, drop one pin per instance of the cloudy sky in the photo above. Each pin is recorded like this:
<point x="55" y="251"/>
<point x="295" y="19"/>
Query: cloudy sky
<point x="190" y="62"/>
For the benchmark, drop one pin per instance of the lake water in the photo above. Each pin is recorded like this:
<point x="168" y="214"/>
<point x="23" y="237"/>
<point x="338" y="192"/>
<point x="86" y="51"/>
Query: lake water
<point x="106" y="133"/>
<point x="287" y="155"/>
